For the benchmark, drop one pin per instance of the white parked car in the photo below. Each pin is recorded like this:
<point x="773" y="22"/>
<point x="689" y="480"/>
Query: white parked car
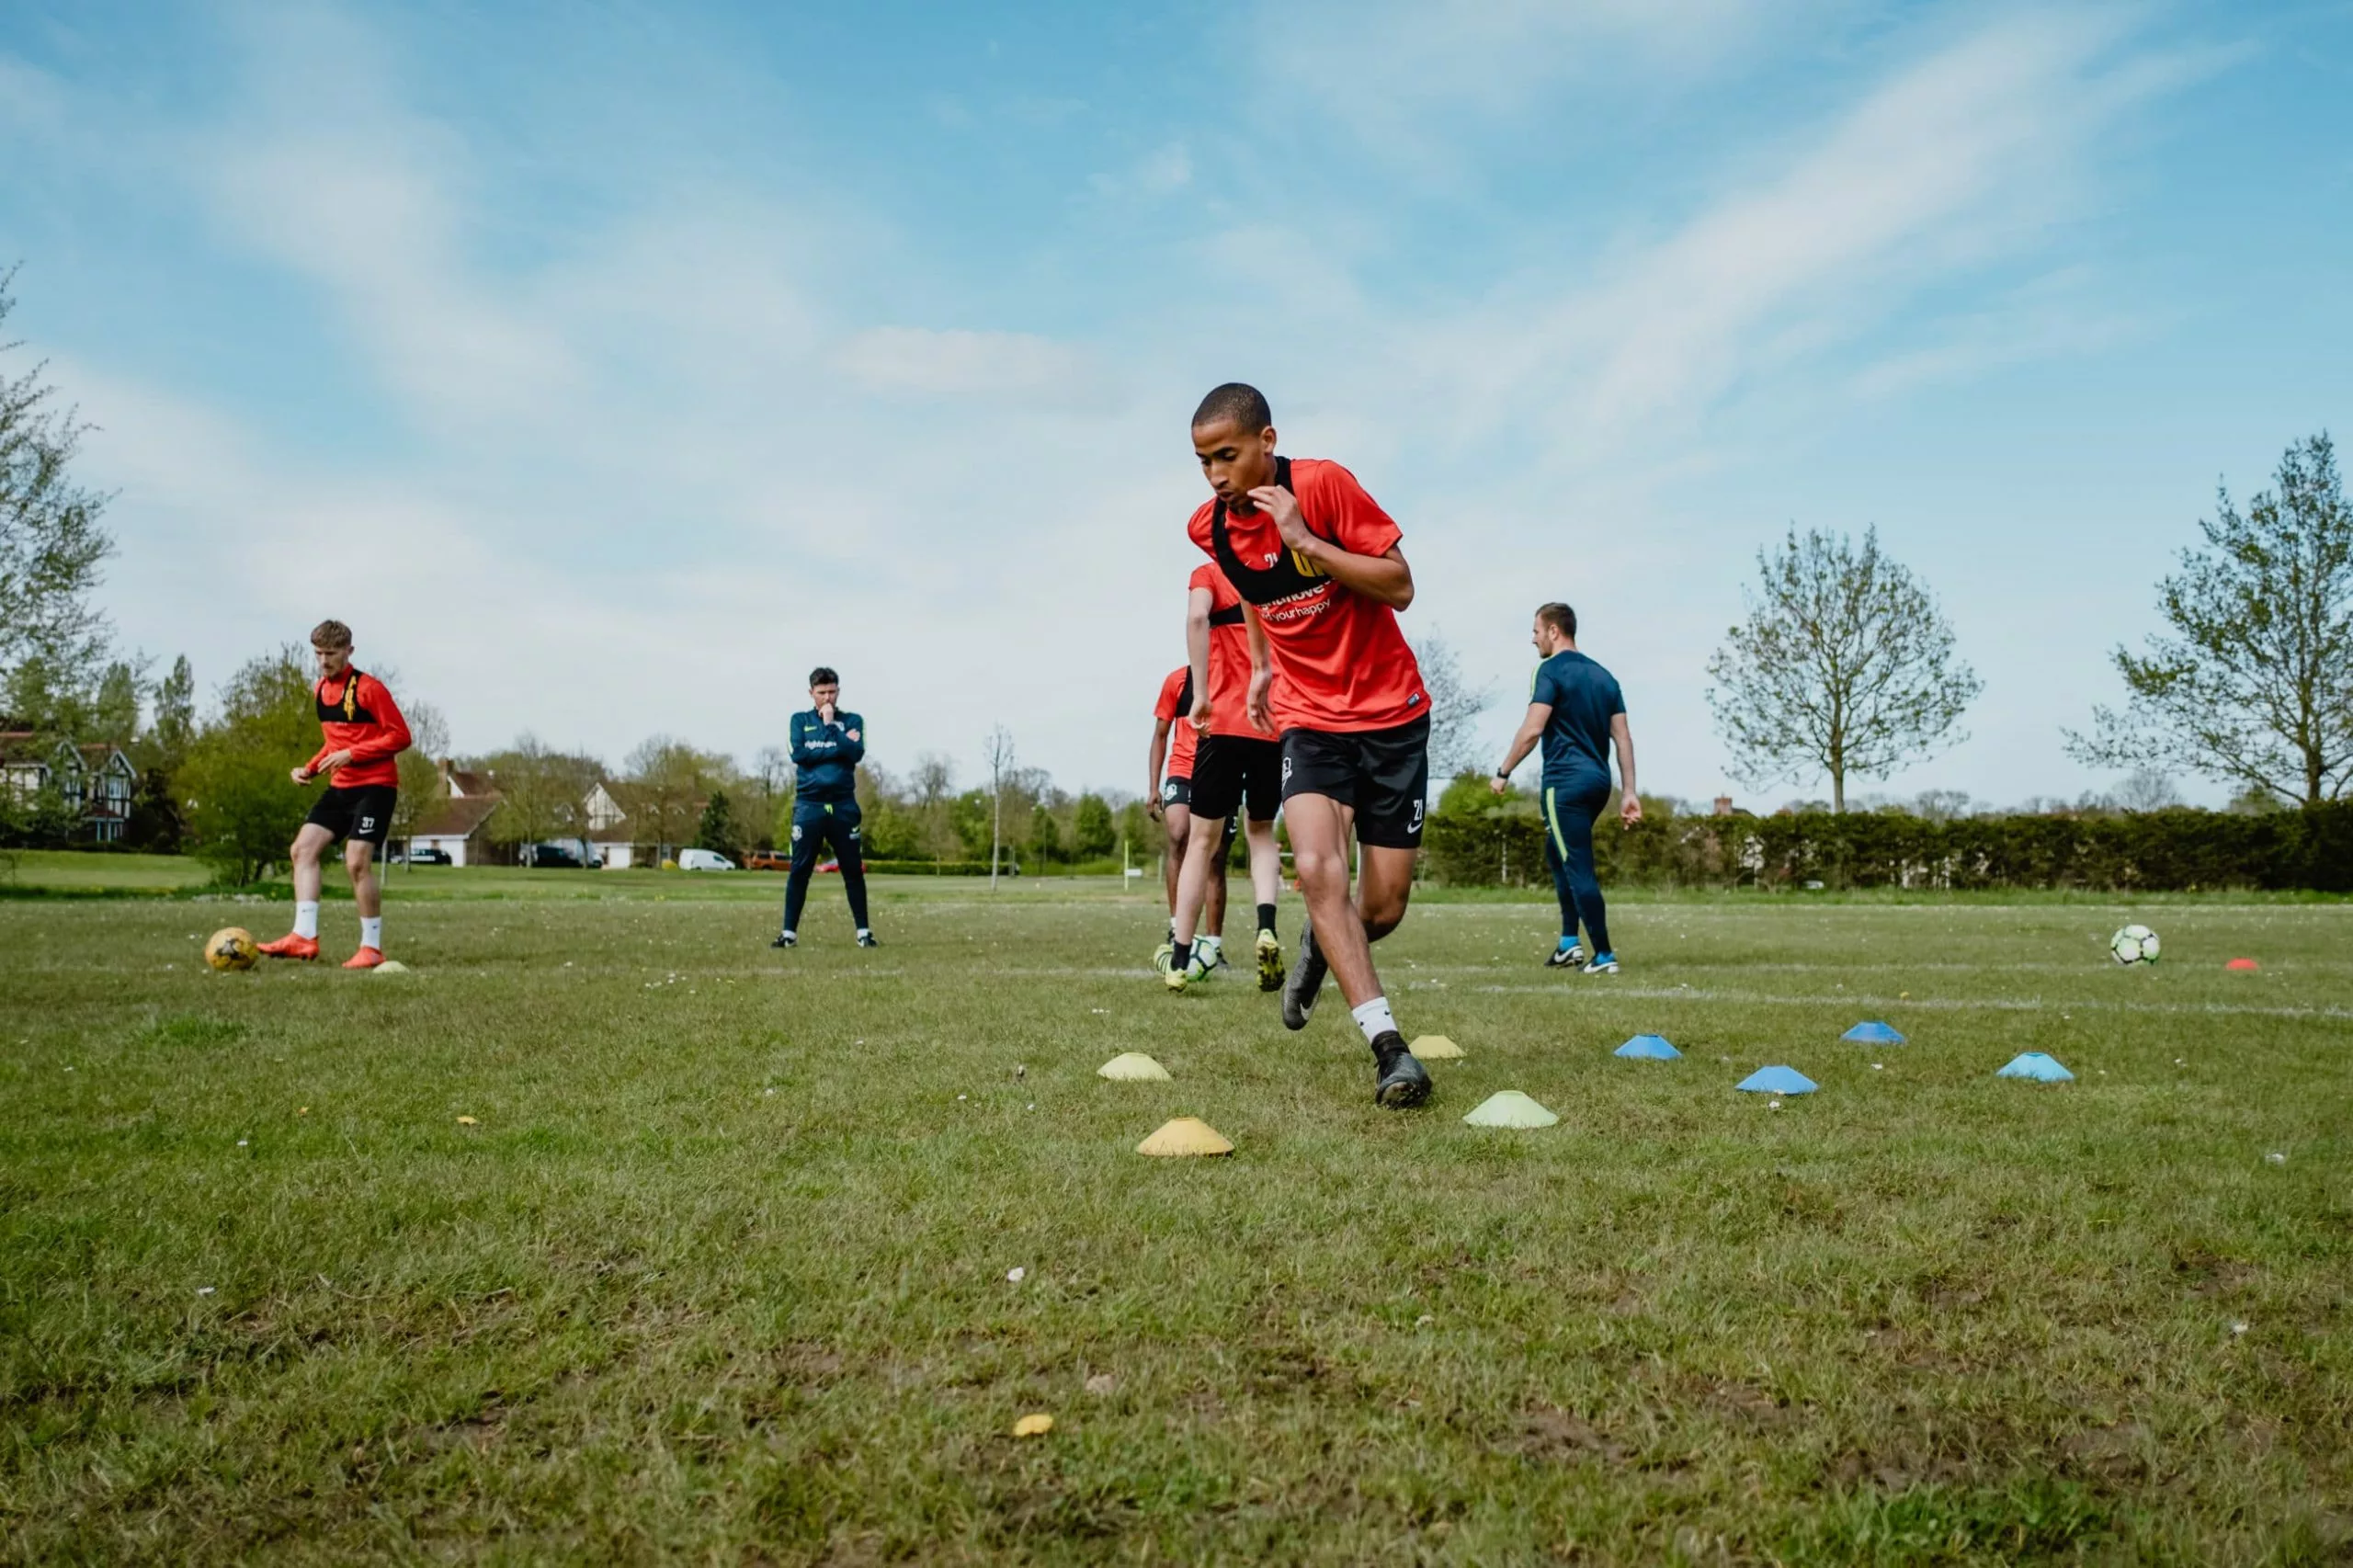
<point x="704" y="860"/>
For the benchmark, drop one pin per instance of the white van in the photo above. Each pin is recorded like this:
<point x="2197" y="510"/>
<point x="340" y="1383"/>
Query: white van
<point x="704" y="860"/>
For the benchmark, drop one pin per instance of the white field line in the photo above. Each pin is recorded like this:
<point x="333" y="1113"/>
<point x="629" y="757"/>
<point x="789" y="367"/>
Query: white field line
<point x="1597" y="992"/>
<point x="1939" y="1003"/>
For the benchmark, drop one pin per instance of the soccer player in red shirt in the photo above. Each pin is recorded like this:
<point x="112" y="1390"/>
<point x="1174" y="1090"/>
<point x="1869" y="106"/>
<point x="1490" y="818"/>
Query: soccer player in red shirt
<point x="1317" y="562"/>
<point x="363" y="733"/>
<point x="1170" y="800"/>
<point x="1237" y="769"/>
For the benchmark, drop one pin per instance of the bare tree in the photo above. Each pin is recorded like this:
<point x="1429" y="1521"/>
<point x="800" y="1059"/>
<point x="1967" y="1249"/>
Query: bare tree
<point x="52" y="640"/>
<point x="543" y="793"/>
<point x="997" y="751"/>
<point x="422" y="786"/>
<point x="2253" y="684"/>
<point x="1455" y="707"/>
<point x="1845" y="667"/>
<point x="2146" y="789"/>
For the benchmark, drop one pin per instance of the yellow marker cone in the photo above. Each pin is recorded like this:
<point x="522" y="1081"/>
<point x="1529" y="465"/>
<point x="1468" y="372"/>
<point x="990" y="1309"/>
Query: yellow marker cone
<point x="1437" y="1048"/>
<point x="392" y="966"/>
<point x="1509" y="1108"/>
<point x="1185" y="1135"/>
<point x="1133" y="1067"/>
<point x="1036" y="1426"/>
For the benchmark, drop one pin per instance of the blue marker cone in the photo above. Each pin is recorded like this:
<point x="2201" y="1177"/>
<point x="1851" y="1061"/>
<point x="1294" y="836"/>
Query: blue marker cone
<point x="1649" y="1048"/>
<point x="2034" y="1064"/>
<point x="1872" y="1033"/>
<point x="1778" y="1081"/>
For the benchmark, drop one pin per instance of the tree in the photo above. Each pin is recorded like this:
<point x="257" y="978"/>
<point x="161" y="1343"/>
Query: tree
<point x="717" y="829"/>
<point x="2147" y="789"/>
<point x="773" y="775"/>
<point x="1045" y="837"/>
<point x="543" y="793"/>
<point x="175" y="699"/>
<point x="423" y="784"/>
<point x="671" y="781"/>
<point x="1455" y="707"/>
<point x="998" y="752"/>
<point x="1091" y="833"/>
<point x="1845" y="667"/>
<point x="157" y="820"/>
<point x="113" y="714"/>
<point x="52" y="542"/>
<point x="243" y="808"/>
<point x="2252" y="684"/>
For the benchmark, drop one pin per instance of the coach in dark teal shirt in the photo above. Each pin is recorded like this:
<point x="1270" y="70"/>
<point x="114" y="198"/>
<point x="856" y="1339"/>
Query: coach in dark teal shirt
<point x="1576" y="711"/>
<point x="828" y="743"/>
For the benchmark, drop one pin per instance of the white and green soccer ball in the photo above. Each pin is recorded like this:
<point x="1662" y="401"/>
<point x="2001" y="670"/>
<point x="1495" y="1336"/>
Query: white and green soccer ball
<point x="2134" y="944"/>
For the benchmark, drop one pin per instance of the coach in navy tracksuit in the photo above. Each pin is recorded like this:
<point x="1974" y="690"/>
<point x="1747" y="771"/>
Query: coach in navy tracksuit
<point x="827" y="743"/>
<point x="1576" y="709"/>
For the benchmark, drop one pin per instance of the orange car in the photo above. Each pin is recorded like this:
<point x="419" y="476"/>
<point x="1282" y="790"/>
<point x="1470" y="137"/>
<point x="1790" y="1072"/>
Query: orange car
<point x="768" y="860"/>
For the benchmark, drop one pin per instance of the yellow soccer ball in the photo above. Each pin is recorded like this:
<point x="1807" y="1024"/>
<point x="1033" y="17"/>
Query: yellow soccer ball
<point x="231" y="948"/>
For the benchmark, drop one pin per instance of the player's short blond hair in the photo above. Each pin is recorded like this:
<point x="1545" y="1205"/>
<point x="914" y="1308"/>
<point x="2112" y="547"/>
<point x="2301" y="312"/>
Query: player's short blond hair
<point x="329" y="634"/>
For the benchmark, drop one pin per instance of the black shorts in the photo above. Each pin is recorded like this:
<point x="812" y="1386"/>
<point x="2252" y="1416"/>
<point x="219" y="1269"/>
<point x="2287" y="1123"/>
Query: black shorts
<point x="1230" y="771"/>
<point x="364" y="813"/>
<point x="1176" y="789"/>
<point x="1383" y="774"/>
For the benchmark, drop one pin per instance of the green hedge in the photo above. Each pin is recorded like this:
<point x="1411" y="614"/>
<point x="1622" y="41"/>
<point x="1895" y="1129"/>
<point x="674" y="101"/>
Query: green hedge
<point x="2150" y="850"/>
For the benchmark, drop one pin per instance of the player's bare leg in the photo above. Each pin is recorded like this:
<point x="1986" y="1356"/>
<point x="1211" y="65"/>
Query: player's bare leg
<point x="309" y="847"/>
<point x="1266" y="883"/>
<point x="1213" y="896"/>
<point x="1178" y="820"/>
<point x="1340" y="933"/>
<point x="1319" y="852"/>
<point x="1192" y="894"/>
<point x="359" y="861"/>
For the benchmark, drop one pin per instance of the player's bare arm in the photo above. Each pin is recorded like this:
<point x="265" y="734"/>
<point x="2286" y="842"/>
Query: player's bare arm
<point x="1198" y="604"/>
<point x="1262" y="672"/>
<point x="1621" y="735"/>
<point x="1531" y="729"/>
<point x="1385" y="577"/>
<point x="1158" y="757"/>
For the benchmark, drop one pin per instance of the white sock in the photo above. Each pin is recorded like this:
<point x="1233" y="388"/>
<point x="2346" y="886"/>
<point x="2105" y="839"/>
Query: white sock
<point x="1373" y="1019"/>
<point x="865" y="931"/>
<point x="306" y="918"/>
<point x="371" y="932"/>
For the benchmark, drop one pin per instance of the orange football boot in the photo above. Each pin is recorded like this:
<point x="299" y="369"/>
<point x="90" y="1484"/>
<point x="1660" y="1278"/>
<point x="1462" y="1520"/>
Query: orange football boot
<point x="291" y="947"/>
<point x="366" y="957"/>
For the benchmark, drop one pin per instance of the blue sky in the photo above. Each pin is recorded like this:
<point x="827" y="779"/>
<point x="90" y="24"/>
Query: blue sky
<point x="609" y="367"/>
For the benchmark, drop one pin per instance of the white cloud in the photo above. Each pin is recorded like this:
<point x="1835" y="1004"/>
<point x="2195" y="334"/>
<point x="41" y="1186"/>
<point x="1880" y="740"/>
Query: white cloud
<point x="1974" y="154"/>
<point x="1163" y="172"/>
<point x="958" y="362"/>
<point x="1395" y="70"/>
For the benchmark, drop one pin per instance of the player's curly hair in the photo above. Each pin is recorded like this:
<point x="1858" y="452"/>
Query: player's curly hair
<point x="1560" y="618"/>
<point x="1239" y="402"/>
<point x="823" y="675"/>
<point x="329" y="634"/>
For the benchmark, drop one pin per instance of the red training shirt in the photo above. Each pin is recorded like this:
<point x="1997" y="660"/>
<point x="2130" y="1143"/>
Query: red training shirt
<point x="1182" y="737"/>
<point x="1341" y="665"/>
<point x="359" y="713"/>
<point x="1229" y="656"/>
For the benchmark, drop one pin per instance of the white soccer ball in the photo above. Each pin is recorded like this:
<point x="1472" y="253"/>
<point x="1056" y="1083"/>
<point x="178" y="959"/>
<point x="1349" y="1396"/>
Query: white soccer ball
<point x="2134" y="944"/>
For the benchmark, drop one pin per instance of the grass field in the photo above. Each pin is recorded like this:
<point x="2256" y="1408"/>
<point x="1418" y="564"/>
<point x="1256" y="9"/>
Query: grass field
<point x="718" y="1269"/>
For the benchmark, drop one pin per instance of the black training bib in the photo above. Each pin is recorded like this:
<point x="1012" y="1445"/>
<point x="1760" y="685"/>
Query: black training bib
<point x="344" y="708"/>
<point x="1287" y="578"/>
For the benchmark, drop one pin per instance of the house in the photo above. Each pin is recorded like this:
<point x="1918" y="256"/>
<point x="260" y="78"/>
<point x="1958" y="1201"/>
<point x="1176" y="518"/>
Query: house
<point x="454" y="826"/>
<point x="97" y="776"/>
<point x="619" y="815"/>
